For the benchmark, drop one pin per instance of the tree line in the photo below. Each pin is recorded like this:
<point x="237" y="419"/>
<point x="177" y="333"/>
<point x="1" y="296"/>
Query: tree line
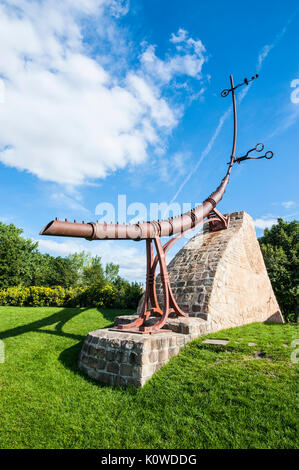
<point x="21" y="264"/>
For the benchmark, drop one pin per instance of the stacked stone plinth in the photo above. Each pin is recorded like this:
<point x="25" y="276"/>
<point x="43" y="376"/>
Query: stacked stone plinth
<point x="118" y="358"/>
<point x="219" y="278"/>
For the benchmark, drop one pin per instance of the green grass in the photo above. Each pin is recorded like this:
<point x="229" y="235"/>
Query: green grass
<point x="206" y="397"/>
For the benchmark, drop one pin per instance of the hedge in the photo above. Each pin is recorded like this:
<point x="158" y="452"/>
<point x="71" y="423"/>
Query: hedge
<point x="93" y="296"/>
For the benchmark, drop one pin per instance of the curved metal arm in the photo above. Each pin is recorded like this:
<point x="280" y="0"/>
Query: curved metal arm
<point x="151" y="229"/>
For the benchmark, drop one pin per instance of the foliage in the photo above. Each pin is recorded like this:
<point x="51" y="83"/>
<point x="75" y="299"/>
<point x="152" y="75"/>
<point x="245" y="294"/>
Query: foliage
<point x="128" y="294"/>
<point x="280" y="248"/>
<point x="93" y="272"/>
<point x="96" y="295"/>
<point x="14" y="254"/>
<point x="111" y="272"/>
<point x="29" y="277"/>
<point x="207" y="396"/>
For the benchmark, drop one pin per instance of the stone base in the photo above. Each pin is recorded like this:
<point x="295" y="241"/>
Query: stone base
<point x="118" y="358"/>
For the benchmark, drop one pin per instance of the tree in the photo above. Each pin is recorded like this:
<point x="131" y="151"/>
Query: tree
<point x="280" y="248"/>
<point x="93" y="273"/>
<point x="111" y="272"/>
<point x="15" y="256"/>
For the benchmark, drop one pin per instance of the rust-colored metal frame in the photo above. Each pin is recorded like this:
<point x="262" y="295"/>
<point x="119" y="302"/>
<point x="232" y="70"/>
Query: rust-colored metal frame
<point x="216" y="222"/>
<point x="152" y="232"/>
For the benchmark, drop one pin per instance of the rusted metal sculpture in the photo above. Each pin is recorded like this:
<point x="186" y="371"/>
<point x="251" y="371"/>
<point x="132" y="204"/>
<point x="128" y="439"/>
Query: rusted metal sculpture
<point x="152" y="232"/>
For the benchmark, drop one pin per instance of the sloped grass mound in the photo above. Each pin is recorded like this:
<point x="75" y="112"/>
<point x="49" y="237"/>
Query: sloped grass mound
<point x="209" y="396"/>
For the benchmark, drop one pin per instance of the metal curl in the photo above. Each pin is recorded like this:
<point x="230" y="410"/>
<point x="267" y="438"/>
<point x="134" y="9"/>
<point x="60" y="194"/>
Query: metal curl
<point x="246" y="81"/>
<point x="258" y="148"/>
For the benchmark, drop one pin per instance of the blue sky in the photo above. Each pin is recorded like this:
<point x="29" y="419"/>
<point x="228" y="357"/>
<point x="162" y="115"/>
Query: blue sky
<point x="106" y="97"/>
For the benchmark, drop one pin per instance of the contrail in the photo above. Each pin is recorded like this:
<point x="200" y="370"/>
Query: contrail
<point x="204" y="153"/>
<point x="260" y="60"/>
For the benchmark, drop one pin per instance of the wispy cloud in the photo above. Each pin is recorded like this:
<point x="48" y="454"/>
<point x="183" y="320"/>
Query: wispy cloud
<point x="288" y="204"/>
<point x="60" y="199"/>
<point x="264" y="223"/>
<point x="188" y="59"/>
<point x="205" y="152"/>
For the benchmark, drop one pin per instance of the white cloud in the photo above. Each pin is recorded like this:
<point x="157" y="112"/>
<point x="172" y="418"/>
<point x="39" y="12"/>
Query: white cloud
<point x="119" y="7"/>
<point x="66" y="118"/>
<point x="188" y="60"/>
<point x="264" y="223"/>
<point x="288" y="204"/>
<point x="179" y="37"/>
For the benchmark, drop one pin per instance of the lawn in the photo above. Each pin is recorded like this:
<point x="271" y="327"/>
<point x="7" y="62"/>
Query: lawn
<point x="206" y="397"/>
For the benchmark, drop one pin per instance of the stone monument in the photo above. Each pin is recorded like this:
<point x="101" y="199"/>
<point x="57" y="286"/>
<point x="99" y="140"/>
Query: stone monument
<point x="219" y="278"/>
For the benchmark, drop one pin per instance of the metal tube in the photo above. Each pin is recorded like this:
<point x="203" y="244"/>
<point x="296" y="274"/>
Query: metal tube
<point x="152" y="229"/>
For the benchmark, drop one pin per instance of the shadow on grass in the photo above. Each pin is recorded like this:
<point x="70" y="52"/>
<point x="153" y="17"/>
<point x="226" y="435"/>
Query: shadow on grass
<point x="69" y="357"/>
<point x="61" y="318"/>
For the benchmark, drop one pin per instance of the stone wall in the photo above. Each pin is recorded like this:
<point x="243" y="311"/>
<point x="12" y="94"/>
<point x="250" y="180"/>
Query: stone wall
<point x="221" y="277"/>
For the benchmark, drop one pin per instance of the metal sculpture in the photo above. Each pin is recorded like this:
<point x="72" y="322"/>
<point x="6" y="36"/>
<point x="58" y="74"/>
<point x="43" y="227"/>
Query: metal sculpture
<point x="152" y="232"/>
<point x="258" y="148"/>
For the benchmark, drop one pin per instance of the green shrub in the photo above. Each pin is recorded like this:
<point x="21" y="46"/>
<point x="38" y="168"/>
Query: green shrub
<point x="124" y="295"/>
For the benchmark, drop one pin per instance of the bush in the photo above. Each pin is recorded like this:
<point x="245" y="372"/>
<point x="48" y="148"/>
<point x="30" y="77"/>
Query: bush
<point x="124" y="295"/>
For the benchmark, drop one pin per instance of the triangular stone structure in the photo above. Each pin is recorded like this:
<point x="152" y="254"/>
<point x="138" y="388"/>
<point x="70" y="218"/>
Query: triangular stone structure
<point x="221" y="277"/>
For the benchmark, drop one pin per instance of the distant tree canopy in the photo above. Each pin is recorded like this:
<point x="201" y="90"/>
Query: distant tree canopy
<point x="21" y="264"/>
<point x="280" y="248"/>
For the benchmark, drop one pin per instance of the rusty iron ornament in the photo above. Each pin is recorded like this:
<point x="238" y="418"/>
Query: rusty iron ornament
<point x="152" y="231"/>
<point x="258" y="148"/>
<point x="246" y="81"/>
